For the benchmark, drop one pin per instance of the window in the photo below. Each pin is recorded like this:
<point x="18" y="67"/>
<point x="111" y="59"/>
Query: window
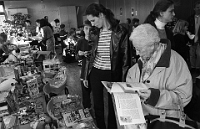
<point x="1" y="9"/>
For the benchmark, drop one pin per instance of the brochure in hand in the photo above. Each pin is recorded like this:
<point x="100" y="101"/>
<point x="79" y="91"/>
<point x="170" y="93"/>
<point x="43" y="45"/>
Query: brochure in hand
<point x="127" y="103"/>
<point x="126" y="87"/>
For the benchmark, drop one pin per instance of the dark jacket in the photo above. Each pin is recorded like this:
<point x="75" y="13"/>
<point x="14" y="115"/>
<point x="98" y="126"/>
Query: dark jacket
<point x="119" y="53"/>
<point x="169" y="34"/>
<point x="181" y="45"/>
<point x="191" y="27"/>
<point x="82" y="45"/>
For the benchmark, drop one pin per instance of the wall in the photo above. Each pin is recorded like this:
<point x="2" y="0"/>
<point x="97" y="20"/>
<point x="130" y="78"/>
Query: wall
<point x="142" y="8"/>
<point x="38" y="9"/>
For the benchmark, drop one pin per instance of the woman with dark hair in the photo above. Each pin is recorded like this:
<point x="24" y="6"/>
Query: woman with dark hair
<point x="181" y="39"/>
<point x="109" y="60"/>
<point x="47" y="35"/>
<point x="163" y="13"/>
<point x="4" y="51"/>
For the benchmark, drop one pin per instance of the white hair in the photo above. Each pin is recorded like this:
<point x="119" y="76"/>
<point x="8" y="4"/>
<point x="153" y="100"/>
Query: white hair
<point x="144" y="35"/>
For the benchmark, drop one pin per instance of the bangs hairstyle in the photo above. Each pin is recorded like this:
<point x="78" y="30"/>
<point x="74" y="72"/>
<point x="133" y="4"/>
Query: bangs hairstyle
<point x="144" y="35"/>
<point x="180" y="27"/>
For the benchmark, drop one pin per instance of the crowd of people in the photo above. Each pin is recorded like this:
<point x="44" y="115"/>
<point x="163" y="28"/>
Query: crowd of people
<point x="163" y="57"/>
<point x="164" y="64"/>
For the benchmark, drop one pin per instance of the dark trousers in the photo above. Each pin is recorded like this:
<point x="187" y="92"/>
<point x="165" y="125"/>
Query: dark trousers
<point x="96" y="76"/>
<point x="86" y="100"/>
<point x="35" y="42"/>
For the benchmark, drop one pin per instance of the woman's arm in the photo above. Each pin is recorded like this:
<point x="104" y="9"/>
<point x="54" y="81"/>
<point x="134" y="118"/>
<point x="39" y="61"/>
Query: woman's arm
<point x="125" y="48"/>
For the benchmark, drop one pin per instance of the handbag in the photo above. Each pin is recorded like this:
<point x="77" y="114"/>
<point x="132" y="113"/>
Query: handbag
<point x="161" y="121"/>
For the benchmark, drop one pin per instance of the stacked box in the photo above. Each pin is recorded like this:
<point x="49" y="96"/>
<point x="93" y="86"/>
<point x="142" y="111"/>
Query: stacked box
<point x="40" y="104"/>
<point x="33" y="87"/>
<point x="77" y="118"/>
<point x="51" y="65"/>
<point x="3" y="104"/>
<point x="10" y="122"/>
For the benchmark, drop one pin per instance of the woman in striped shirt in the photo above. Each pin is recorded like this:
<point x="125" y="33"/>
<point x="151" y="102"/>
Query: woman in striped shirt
<point x="109" y="61"/>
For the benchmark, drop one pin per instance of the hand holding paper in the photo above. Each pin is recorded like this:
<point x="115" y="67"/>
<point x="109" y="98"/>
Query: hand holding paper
<point x="144" y="93"/>
<point x="123" y="87"/>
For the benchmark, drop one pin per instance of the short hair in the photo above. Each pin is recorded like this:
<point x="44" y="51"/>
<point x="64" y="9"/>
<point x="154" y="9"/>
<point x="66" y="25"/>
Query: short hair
<point x="128" y="20"/>
<point x="62" y="26"/>
<point x="144" y="35"/>
<point x="87" y="23"/>
<point x="57" y="20"/>
<point x="28" y="21"/>
<point x="38" y="21"/>
<point x="17" y="50"/>
<point x="45" y="17"/>
<point x="135" y="20"/>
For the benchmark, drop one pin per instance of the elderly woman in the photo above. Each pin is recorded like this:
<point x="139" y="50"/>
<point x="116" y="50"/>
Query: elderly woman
<point x="162" y="70"/>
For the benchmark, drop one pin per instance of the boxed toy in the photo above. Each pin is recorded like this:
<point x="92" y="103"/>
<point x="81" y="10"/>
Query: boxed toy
<point x="33" y="87"/>
<point x="79" y="119"/>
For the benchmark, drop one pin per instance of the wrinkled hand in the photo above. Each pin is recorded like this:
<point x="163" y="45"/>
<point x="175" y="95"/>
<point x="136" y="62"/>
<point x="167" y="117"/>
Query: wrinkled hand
<point x="144" y="94"/>
<point x="85" y="83"/>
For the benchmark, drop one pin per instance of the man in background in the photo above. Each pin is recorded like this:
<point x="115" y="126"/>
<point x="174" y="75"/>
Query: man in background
<point x="82" y="52"/>
<point x="193" y="28"/>
<point x="56" y="25"/>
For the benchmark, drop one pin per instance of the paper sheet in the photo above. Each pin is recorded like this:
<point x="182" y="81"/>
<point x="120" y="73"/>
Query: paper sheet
<point x="129" y="109"/>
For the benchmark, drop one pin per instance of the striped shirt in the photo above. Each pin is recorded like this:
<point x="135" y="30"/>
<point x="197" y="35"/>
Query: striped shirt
<point x="102" y="59"/>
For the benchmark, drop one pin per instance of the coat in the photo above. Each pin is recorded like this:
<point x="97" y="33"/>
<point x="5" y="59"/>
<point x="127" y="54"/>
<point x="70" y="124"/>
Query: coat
<point x="169" y="81"/>
<point x="119" y="53"/>
<point x="191" y="27"/>
<point x="82" y="45"/>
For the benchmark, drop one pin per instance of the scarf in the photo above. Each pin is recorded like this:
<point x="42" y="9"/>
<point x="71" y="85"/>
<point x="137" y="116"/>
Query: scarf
<point x="149" y="66"/>
<point x="160" y="25"/>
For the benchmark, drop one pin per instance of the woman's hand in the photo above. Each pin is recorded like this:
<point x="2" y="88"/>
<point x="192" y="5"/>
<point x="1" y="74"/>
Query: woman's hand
<point x="144" y="94"/>
<point x="85" y="83"/>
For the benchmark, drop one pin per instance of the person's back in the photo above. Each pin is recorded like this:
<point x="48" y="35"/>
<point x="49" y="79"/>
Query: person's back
<point x="48" y="37"/>
<point x="48" y="33"/>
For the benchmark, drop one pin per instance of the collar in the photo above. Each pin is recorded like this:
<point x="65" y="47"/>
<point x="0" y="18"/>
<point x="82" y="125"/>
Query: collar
<point x="197" y="16"/>
<point x="159" y="24"/>
<point x="165" y="58"/>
